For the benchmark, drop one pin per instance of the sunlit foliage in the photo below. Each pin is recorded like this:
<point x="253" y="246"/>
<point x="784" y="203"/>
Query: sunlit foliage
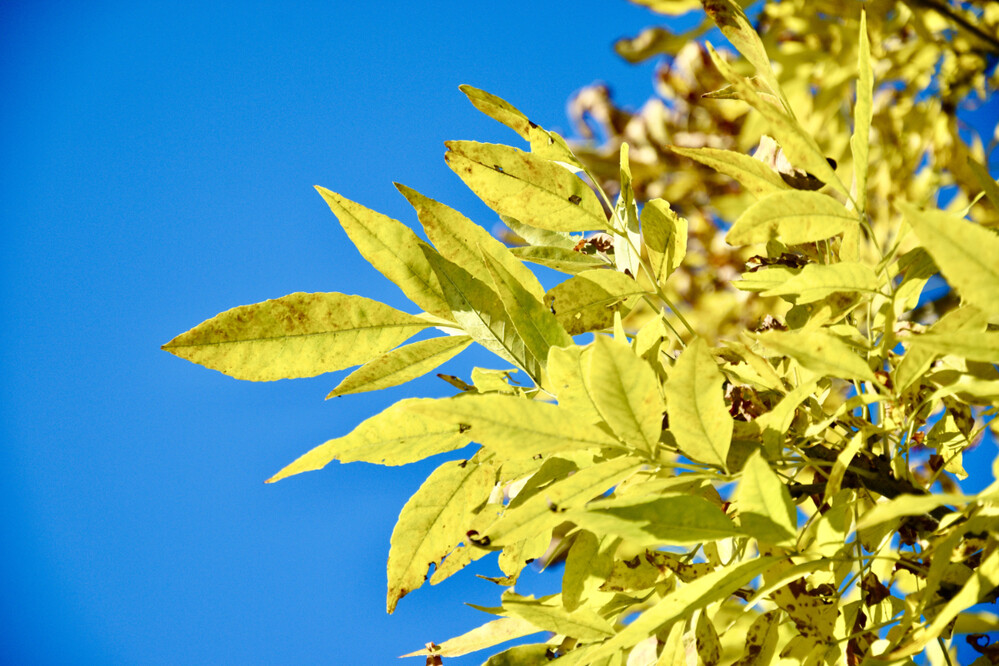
<point x="742" y="425"/>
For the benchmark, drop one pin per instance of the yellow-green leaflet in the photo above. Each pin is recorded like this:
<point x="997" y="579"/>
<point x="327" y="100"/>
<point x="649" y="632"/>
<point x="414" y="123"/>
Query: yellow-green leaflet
<point x="402" y="365"/>
<point x="761" y="640"/>
<point x="684" y="601"/>
<point x="586" y="302"/>
<point x="298" y="335"/>
<point x="862" y="110"/>
<point x="542" y="511"/>
<point x="558" y="258"/>
<point x="582" y="624"/>
<point x="463" y="242"/>
<point x="480" y="313"/>
<point x="674" y="520"/>
<point x="989" y="186"/>
<point x="707" y="643"/>
<point x="490" y="634"/>
<point x="799" y="146"/>
<point x="984" y="579"/>
<point x="972" y="345"/>
<point x="818" y="281"/>
<point x="392" y="249"/>
<point x="695" y="403"/>
<point x="909" y="505"/>
<point x="430" y="525"/>
<point x="625" y="390"/>
<point x="734" y="24"/>
<point x="515" y="427"/>
<point x="624" y="222"/>
<point x="498" y="109"/>
<point x="758" y="178"/>
<point x="766" y="511"/>
<point x="918" y="359"/>
<point x="794" y="217"/>
<point x="820" y="352"/>
<point x="536" y="325"/>
<point x="396" y="436"/>
<point x="533" y="190"/>
<point x="565" y="374"/>
<point x="966" y="253"/>
<point x="665" y="236"/>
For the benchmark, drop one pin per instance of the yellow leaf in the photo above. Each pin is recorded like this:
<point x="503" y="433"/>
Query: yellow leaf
<point x="989" y="186"/>
<point x="766" y="511"/>
<point x="625" y="390"/>
<point x="673" y="520"/>
<point x="298" y="335"/>
<point x="966" y="253"/>
<point x="582" y="624"/>
<point x="695" y="403"/>
<point x="670" y="7"/>
<point x="532" y="190"/>
<point x="665" y="236"/>
<point x="392" y="249"/>
<point x="862" y="110"/>
<point x="681" y="603"/>
<point x="794" y="217"/>
<point x="517" y="427"/>
<point x="758" y="178"/>
<point x="909" y="505"/>
<point x="559" y="258"/>
<point x="402" y="365"/>
<point x="587" y="301"/>
<point x="972" y="345"/>
<point x="490" y="634"/>
<point x="816" y="282"/>
<point x="734" y="24"/>
<point x="432" y="523"/>
<point x="543" y="510"/>
<point x="463" y="242"/>
<point x="820" y="352"/>
<point x="396" y="436"/>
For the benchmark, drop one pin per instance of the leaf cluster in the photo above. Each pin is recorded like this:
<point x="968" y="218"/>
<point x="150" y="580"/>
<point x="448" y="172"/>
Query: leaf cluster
<point x="745" y="444"/>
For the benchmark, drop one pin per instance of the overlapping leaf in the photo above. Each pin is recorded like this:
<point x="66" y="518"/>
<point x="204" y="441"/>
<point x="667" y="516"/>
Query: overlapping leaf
<point x="533" y="190"/>
<point x="695" y="404"/>
<point x="665" y="236"/>
<point x="587" y="301"/>
<point x="818" y="281"/>
<point x="793" y="216"/>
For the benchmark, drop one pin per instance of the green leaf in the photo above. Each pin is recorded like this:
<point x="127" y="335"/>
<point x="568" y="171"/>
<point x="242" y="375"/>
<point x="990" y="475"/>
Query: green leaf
<point x="794" y="217"/>
<point x="758" y="178"/>
<point x="402" y="365"/>
<point x="820" y="352"/>
<point x="480" y="313"/>
<point x="766" y="511"/>
<point x="665" y="236"/>
<point x="298" y="335"/>
<point x="681" y="603"/>
<point x="972" y="345"/>
<point x="966" y="253"/>
<point x="558" y="258"/>
<point x="396" y="436"/>
<point x="799" y="146"/>
<point x="734" y="24"/>
<point x="463" y="242"/>
<point x="392" y="249"/>
<point x="581" y="624"/>
<point x="816" y="282"/>
<point x="673" y="520"/>
<point x="532" y="190"/>
<point x="543" y="510"/>
<point x="587" y="301"/>
<point x="625" y="391"/>
<point x="490" y="634"/>
<point x="695" y="403"/>
<point x="516" y="427"/>
<point x="862" y="110"/>
<point x="536" y="325"/>
<point x="432" y="523"/>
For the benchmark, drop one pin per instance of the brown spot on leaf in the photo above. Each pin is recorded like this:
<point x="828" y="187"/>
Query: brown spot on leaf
<point x="575" y="199"/>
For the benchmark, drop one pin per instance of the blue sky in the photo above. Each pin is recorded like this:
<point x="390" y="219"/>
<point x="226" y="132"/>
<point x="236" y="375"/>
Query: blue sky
<point x="157" y="168"/>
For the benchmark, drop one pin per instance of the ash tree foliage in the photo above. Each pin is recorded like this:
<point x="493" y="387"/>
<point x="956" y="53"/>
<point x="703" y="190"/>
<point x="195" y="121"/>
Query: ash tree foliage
<point x="740" y="417"/>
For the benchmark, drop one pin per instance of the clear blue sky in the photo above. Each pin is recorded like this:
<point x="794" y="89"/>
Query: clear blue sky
<point x="157" y="168"/>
